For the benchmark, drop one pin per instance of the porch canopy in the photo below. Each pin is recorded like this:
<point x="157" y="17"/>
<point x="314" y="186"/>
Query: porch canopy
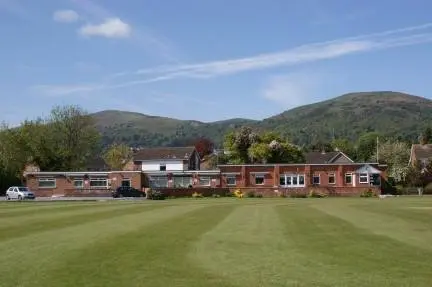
<point x="368" y="169"/>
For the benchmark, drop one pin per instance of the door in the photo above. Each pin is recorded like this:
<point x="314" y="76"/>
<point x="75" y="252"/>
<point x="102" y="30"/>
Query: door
<point x="15" y="192"/>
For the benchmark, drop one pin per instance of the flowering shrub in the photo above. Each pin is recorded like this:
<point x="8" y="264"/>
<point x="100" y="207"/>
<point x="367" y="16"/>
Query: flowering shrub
<point x="316" y="194"/>
<point x="238" y="193"/>
<point x="368" y="193"/>
<point x="197" y="195"/>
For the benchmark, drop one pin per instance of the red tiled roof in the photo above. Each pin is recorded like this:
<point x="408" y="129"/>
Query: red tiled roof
<point x="317" y="157"/>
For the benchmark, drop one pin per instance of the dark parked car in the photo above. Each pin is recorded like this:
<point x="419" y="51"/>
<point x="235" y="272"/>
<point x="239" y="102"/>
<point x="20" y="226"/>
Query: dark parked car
<point x="127" y="191"/>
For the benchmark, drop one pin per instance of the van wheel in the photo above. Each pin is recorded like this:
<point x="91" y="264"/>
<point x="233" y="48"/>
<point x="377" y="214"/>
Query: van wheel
<point x="19" y="197"/>
<point x="7" y="197"/>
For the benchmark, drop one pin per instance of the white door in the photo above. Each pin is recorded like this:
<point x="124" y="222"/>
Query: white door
<point x="15" y="192"/>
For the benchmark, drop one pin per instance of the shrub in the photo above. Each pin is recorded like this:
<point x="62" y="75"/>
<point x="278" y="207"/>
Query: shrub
<point x="282" y="194"/>
<point x="157" y="195"/>
<point x="214" y="195"/>
<point x="229" y="194"/>
<point x="259" y="195"/>
<point x="368" y="193"/>
<point x="250" y="194"/>
<point x="316" y="194"/>
<point x="197" y="195"/>
<point x="298" y="195"/>
<point x="238" y="193"/>
<point x="428" y="189"/>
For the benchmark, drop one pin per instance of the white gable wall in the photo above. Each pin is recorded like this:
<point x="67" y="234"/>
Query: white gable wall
<point x="170" y="165"/>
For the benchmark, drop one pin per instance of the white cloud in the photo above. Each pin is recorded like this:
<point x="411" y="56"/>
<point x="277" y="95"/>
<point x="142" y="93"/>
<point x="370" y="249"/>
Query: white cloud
<point x="110" y="28"/>
<point x="62" y="90"/>
<point x="65" y="16"/>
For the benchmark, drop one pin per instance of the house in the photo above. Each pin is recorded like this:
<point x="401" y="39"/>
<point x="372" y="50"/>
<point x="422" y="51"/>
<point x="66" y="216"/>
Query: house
<point x="167" y="159"/>
<point x="421" y="153"/>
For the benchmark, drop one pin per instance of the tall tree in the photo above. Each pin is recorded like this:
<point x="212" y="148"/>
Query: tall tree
<point x="396" y="155"/>
<point x="75" y="134"/>
<point x="264" y="148"/>
<point x="117" y="156"/>
<point x="366" y="146"/>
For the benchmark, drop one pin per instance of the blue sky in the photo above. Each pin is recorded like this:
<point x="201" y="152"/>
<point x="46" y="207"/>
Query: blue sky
<point x="207" y="60"/>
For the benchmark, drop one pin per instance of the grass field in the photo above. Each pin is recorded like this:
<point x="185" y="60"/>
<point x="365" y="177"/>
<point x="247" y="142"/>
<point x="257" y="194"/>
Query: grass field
<point x="218" y="242"/>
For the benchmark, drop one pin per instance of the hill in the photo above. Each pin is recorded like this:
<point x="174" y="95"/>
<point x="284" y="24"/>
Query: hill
<point x="389" y="113"/>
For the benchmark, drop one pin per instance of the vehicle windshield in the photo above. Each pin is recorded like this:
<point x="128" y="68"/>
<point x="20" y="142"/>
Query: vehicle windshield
<point x="23" y="189"/>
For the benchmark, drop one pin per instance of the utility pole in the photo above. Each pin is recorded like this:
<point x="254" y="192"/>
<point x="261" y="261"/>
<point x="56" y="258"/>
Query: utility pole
<point x="377" y="149"/>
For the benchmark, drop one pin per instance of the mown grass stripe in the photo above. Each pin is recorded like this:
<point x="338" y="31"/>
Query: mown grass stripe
<point x="27" y="226"/>
<point x="411" y="232"/>
<point x="152" y="254"/>
<point x="328" y="250"/>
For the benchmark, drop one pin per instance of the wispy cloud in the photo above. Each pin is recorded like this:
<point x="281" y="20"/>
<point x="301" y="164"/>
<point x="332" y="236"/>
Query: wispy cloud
<point x="110" y="28"/>
<point x="65" y="16"/>
<point x="294" y="56"/>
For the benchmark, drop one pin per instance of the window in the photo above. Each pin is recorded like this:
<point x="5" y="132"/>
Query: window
<point x="78" y="183"/>
<point x="158" y="181"/>
<point x="231" y="180"/>
<point x="182" y="181"/>
<point x="259" y="179"/>
<point x="98" y="183"/>
<point x="348" y="178"/>
<point x="162" y="167"/>
<point x="47" y="182"/>
<point x="204" y="180"/>
<point x="316" y="179"/>
<point x="332" y="178"/>
<point x="364" y="178"/>
<point x="292" y="180"/>
<point x="126" y="182"/>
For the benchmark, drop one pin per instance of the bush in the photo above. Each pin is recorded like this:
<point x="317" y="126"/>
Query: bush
<point x="238" y="193"/>
<point x="157" y="195"/>
<point x="214" y="195"/>
<point x="368" y="193"/>
<point x="298" y="195"/>
<point x="428" y="189"/>
<point x="259" y="195"/>
<point x="250" y="194"/>
<point x="229" y="194"/>
<point x="197" y="195"/>
<point x="316" y="194"/>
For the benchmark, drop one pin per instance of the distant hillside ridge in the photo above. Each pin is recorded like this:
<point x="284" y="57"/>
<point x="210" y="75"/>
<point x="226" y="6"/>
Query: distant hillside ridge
<point x="388" y="113"/>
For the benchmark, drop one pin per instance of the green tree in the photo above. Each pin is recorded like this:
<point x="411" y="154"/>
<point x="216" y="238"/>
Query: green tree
<point x="345" y="146"/>
<point x="426" y="137"/>
<point x="75" y="136"/>
<point x="396" y="155"/>
<point x="419" y="176"/>
<point x="117" y="156"/>
<point x="265" y="148"/>
<point x="366" y="146"/>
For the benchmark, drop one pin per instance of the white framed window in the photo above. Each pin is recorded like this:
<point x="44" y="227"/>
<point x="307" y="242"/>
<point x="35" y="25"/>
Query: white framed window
<point x="47" y="182"/>
<point x="126" y="182"/>
<point x="98" y="182"/>
<point x="259" y="179"/>
<point x="363" y="178"/>
<point x="348" y="178"/>
<point x="204" y="180"/>
<point x="292" y="180"/>
<point x="316" y="179"/>
<point x="332" y="178"/>
<point x="158" y="181"/>
<point x="162" y="167"/>
<point x="78" y="183"/>
<point x="231" y="180"/>
<point x="182" y="181"/>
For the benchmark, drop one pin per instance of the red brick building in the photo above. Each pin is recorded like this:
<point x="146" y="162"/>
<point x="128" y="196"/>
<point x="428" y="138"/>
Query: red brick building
<point x="331" y="173"/>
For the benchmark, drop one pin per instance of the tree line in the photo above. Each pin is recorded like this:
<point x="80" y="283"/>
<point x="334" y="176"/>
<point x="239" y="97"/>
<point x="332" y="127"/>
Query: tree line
<point x="67" y="140"/>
